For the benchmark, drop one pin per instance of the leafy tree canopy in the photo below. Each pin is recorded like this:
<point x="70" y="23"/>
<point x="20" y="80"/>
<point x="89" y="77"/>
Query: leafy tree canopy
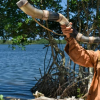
<point x="85" y="15"/>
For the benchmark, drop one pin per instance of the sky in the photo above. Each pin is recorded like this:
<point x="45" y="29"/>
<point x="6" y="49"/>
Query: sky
<point x="64" y="3"/>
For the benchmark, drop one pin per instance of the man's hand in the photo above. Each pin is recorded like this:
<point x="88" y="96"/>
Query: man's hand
<point x="66" y="30"/>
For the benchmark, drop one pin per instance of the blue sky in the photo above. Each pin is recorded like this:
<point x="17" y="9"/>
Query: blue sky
<point x="64" y="2"/>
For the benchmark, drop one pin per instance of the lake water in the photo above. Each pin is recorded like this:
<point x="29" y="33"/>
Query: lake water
<point x="18" y="69"/>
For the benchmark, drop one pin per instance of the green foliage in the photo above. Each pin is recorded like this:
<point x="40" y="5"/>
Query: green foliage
<point x="85" y="0"/>
<point x="74" y="2"/>
<point x="14" y="22"/>
<point x="38" y="41"/>
<point x="41" y="41"/>
<point x="1" y="97"/>
<point x="20" y="24"/>
<point x="44" y="41"/>
<point x="21" y="41"/>
<point x="79" y="93"/>
<point x="6" y="42"/>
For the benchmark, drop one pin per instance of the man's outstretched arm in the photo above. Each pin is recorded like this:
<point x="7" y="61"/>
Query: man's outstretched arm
<point x="77" y="53"/>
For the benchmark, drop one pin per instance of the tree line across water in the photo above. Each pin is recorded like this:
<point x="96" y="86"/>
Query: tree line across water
<point x="37" y="41"/>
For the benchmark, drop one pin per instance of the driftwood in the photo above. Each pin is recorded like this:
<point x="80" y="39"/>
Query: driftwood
<point x="45" y="98"/>
<point x="40" y="96"/>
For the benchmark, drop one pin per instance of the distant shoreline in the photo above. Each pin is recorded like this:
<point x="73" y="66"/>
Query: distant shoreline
<point x="38" y="41"/>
